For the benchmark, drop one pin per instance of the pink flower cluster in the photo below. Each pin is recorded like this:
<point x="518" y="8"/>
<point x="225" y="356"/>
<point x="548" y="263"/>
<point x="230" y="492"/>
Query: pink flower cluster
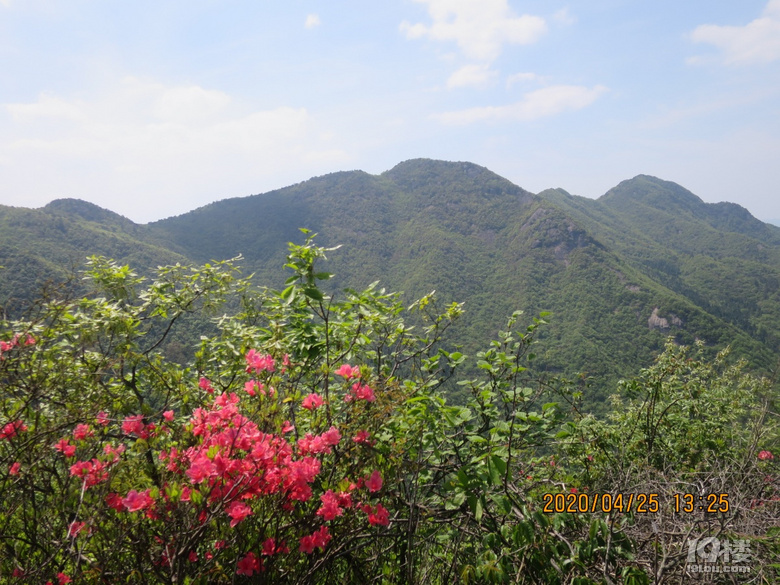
<point x="229" y="464"/>
<point x="92" y="472"/>
<point x="235" y="461"/>
<point x="346" y="371"/>
<point x="314" y="445"/>
<point x="12" y="429"/>
<point x="253" y="387"/>
<point x="134" y="425"/>
<point x="205" y="384"/>
<point x="319" y="539"/>
<point x="64" y="447"/>
<point x="363" y="438"/>
<point x="271" y="547"/>
<point x="249" y="564"/>
<point x="82" y="432"/>
<point x="377" y="516"/>
<point x="136" y="501"/>
<point x="6" y="346"/>
<point x="258" y="362"/>
<point x="766" y="456"/>
<point x="333" y="504"/>
<point x="360" y="392"/>
<point x="312" y="401"/>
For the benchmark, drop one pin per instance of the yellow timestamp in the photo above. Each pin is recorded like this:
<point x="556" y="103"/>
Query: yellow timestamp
<point x="690" y="503"/>
<point x="638" y="503"/>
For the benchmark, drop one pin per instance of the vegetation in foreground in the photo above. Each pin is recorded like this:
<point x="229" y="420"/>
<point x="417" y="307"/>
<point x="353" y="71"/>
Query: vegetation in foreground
<point x="310" y="442"/>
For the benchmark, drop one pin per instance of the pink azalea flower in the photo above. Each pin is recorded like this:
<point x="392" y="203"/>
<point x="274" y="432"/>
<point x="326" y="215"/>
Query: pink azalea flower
<point x="82" y="431"/>
<point x="312" y="401"/>
<point x="362" y="437"/>
<point x="346" y="371"/>
<point x="361" y="392"/>
<point x="114" y="501"/>
<point x="65" y="448"/>
<point x="81" y="468"/>
<point x="192" y="557"/>
<point x="378" y="517"/>
<point x="319" y="539"/>
<point x="271" y="547"/>
<point x="374" y="483"/>
<point x="200" y="469"/>
<point x="330" y="506"/>
<point x="249" y="387"/>
<point x="766" y="456"/>
<point x="248" y="565"/>
<point x="11" y="429"/>
<point x="331" y="436"/>
<point x="135" y="501"/>
<point x="74" y="528"/>
<point x="14" y="469"/>
<point x="205" y="384"/>
<point x="134" y="425"/>
<point x="238" y="511"/>
<point x="115" y="452"/>
<point x="259" y="362"/>
<point x="168" y="415"/>
<point x="102" y="418"/>
<point x="287" y="427"/>
<point x="63" y="579"/>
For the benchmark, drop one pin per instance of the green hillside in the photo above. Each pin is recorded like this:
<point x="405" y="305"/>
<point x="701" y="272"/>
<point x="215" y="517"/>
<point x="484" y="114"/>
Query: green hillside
<point x="647" y="260"/>
<point x="51" y="244"/>
<point x="717" y="256"/>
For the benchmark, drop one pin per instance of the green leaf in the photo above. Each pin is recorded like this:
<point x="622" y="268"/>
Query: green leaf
<point x="313" y="293"/>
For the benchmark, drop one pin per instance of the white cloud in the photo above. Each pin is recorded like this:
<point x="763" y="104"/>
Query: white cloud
<point x="521" y="78"/>
<point x="756" y="42"/>
<point x="149" y="150"/>
<point x="472" y="76"/>
<point x="479" y="27"/>
<point x="312" y="21"/>
<point x="541" y="103"/>
<point x="47" y="106"/>
<point x="563" y="17"/>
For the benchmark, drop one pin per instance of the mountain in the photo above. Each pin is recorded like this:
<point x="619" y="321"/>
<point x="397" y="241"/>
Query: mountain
<point x="647" y="260"/>
<point x="51" y="244"/>
<point x="716" y="255"/>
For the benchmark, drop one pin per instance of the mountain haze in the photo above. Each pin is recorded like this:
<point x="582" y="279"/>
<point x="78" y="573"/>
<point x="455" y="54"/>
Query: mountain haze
<point x="647" y="260"/>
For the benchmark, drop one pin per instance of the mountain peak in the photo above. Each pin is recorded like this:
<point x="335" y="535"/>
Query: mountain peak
<point x="86" y="210"/>
<point x="652" y="192"/>
<point x="428" y="176"/>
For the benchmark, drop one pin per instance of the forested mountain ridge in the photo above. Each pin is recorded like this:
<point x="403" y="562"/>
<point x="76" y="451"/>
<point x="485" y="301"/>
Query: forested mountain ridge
<point x="50" y="245"/>
<point x="717" y="255"/>
<point x="647" y="260"/>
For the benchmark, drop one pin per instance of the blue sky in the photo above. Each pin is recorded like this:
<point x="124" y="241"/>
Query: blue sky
<point x="153" y="108"/>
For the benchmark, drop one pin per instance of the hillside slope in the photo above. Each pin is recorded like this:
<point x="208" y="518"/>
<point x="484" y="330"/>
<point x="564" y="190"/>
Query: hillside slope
<point x="647" y="260"/>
